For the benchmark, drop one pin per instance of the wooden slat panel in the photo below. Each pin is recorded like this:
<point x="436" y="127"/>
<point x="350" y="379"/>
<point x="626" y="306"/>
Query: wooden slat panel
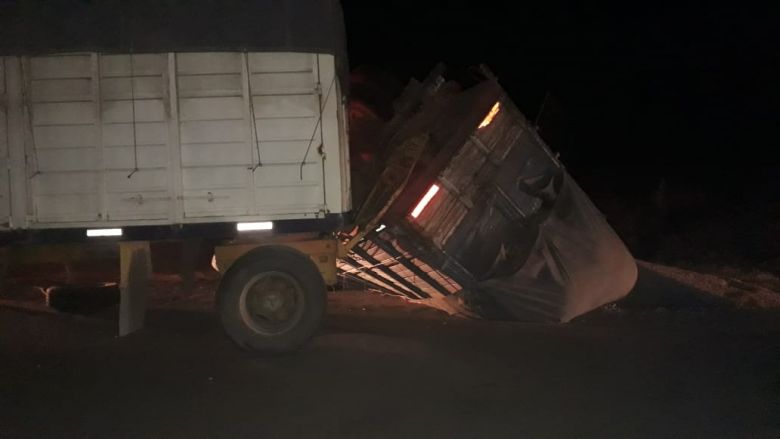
<point x="220" y="202"/>
<point x="58" y="67"/>
<point x="64" y="113"/>
<point x="210" y="85"/>
<point x="286" y="106"/>
<point x="66" y="183"/>
<point x="281" y="62"/>
<point x="213" y="131"/>
<point x="208" y="63"/>
<point x="62" y="90"/>
<point x="283" y="83"/>
<point x="122" y="111"/>
<point x="139" y="205"/>
<point x="67" y="207"/>
<point x="287" y="129"/>
<point x="146" y="133"/>
<point x="213" y="108"/>
<point x="143" y="180"/>
<point x="215" y="177"/>
<point x="123" y="157"/>
<point x="74" y="136"/>
<point x="215" y="154"/>
<point x="67" y="160"/>
<point x="151" y="87"/>
<point x="143" y="65"/>
<point x="290" y="199"/>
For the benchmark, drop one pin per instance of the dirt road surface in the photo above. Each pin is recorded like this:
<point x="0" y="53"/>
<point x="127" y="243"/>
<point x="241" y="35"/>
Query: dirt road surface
<point x="386" y="369"/>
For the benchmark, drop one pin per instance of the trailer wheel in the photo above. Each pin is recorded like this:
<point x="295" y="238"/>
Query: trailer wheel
<point x="272" y="300"/>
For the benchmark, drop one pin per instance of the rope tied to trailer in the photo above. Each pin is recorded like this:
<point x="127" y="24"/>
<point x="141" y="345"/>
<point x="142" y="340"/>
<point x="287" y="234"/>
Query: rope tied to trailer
<point x="132" y="112"/>
<point x="26" y="100"/>
<point x="259" y="163"/>
<point x="322" y="106"/>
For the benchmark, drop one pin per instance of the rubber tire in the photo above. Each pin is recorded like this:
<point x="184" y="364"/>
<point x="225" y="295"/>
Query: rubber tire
<point x="272" y="258"/>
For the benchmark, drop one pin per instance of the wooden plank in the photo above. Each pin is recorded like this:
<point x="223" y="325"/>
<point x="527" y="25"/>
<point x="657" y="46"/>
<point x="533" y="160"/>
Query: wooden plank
<point x="135" y="264"/>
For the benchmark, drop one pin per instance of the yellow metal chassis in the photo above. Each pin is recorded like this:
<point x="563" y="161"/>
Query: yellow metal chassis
<point x="323" y="252"/>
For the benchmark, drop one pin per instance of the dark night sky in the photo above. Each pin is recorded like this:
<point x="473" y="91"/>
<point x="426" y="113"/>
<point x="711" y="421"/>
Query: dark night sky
<point x="683" y="88"/>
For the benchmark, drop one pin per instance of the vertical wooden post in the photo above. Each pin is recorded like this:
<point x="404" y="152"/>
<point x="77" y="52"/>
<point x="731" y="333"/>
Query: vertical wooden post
<point x="16" y="147"/>
<point x="135" y="270"/>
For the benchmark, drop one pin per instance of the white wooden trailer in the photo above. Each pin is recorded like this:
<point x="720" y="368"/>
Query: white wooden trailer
<point x="105" y="142"/>
<point x="94" y="140"/>
<point x="134" y="120"/>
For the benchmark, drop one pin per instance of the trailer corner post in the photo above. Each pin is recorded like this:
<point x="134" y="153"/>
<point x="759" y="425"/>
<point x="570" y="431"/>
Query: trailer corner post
<point x="135" y="264"/>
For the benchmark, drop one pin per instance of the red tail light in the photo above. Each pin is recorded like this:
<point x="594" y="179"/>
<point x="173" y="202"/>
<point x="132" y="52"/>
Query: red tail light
<point x="425" y="200"/>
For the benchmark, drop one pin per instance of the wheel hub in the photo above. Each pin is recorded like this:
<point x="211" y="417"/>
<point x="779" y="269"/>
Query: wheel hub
<point x="272" y="303"/>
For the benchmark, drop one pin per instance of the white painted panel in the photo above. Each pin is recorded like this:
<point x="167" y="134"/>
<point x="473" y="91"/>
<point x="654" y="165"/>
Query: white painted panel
<point x="216" y="154"/>
<point x="205" y="63"/>
<point x="143" y="65"/>
<point x="283" y="83"/>
<point x="140" y="205"/>
<point x="217" y="131"/>
<point x="142" y="88"/>
<point x="215" y="203"/>
<point x="335" y="138"/>
<point x="65" y="137"/>
<point x="215" y="177"/>
<point x="67" y="160"/>
<point x="274" y="175"/>
<point x="61" y="66"/>
<point x="67" y="208"/>
<point x="290" y="199"/>
<point x="214" y="108"/>
<point x="62" y="90"/>
<point x="64" y="113"/>
<point x="85" y="160"/>
<point x="142" y="180"/>
<point x="286" y="106"/>
<point x="122" y="111"/>
<point x="74" y="136"/>
<point x="135" y="134"/>
<point x="66" y="183"/>
<point x="281" y="62"/>
<point x="210" y="85"/>
<point x="123" y="157"/>
<point x="288" y="152"/>
<point x="146" y="133"/>
<point x="287" y="129"/>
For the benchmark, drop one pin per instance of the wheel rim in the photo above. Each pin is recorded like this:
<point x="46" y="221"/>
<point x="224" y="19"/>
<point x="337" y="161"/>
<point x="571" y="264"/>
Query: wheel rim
<point x="272" y="303"/>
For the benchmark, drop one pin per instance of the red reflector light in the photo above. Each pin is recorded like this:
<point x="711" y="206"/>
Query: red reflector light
<point x="425" y="200"/>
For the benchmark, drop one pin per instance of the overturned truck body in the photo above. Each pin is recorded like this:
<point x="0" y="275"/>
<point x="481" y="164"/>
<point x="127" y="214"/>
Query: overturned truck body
<point x="473" y="214"/>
